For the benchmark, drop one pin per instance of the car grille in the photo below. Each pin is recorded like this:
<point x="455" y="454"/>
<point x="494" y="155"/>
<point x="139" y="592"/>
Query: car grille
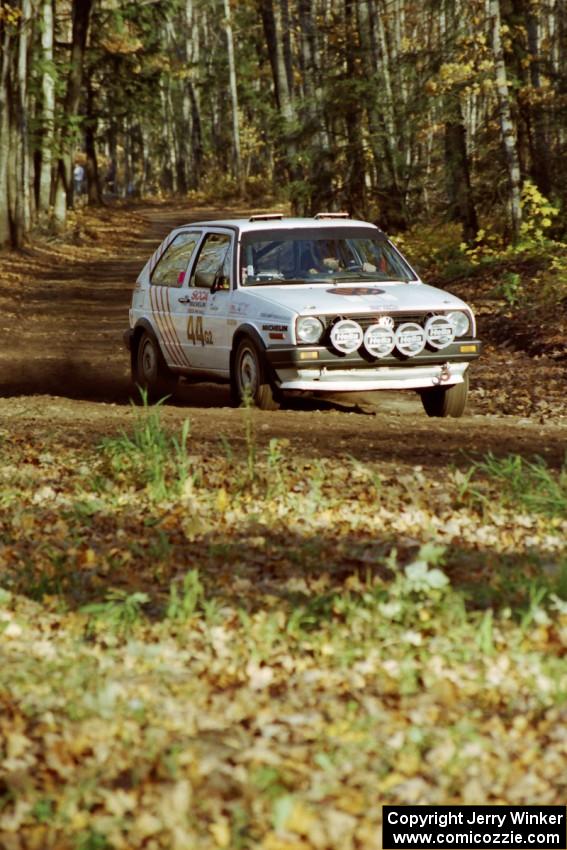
<point x="371" y="319"/>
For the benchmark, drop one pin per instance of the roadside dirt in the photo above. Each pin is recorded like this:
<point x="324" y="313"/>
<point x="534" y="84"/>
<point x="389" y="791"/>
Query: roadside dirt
<point x="64" y="373"/>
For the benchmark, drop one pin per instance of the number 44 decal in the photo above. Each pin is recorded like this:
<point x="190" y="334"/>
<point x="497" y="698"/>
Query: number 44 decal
<point x="196" y="333"/>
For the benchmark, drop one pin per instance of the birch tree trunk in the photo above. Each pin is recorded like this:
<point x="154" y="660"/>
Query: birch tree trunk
<point x="22" y="205"/>
<point x="506" y="123"/>
<point x="48" y="106"/>
<point x="356" y="169"/>
<point x="233" y="97"/>
<point x="192" y="106"/>
<point x="5" y="229"/>
<point x="389" y="110"/>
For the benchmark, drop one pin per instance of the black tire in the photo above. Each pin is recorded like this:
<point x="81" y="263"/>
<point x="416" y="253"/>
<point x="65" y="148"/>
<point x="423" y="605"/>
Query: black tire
<point x="446" y="401"/>
<point x="248" y="377"/>
<point x="150" y="369"/>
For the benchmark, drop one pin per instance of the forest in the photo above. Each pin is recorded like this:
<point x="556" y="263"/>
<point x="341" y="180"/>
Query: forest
<point x="393" y="110"/>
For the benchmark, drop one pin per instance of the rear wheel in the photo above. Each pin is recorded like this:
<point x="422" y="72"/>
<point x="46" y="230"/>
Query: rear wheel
<point x="446" y="401"/>
<point x="248" y="377"/>
<point x="151" y="372"/>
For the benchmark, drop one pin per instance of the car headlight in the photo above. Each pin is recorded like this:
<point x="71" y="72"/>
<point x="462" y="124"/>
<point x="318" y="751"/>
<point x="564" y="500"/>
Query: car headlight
<point x="309" y="329"/>
<point x="460" y="322"/>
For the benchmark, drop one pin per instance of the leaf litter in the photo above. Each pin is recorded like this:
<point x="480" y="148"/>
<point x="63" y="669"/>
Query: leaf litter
<point x="244" y="647"/>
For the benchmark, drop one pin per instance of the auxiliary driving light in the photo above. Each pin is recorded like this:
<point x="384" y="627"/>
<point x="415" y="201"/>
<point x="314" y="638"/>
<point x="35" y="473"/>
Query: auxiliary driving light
<point x="410" y="339"/>
<point x="380" y="340"/>
<point x="439" y="331"/>
<point x="346" y="336"/>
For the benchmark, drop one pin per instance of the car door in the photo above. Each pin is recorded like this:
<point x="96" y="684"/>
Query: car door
<point x="166" y="285"/>
<point x="203" y="324"/>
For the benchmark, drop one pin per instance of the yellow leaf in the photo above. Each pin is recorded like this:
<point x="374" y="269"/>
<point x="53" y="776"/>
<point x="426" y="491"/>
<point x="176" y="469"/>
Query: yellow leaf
<point x="390" y="782"/>
<point x="220" y="832"/>
<point x="275" y="842"/>
<point x="300" y="819"/>
<point x="222" y="500"/>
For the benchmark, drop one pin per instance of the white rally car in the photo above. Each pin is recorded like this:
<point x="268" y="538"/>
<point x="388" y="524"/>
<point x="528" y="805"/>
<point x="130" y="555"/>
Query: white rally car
<point x="274" y="304"/>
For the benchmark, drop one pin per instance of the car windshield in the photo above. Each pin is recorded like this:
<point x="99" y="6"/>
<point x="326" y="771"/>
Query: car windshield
<point x="319" y="255"/>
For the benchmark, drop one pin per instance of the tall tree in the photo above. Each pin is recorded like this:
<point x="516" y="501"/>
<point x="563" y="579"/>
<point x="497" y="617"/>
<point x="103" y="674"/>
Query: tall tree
<point x="233" y="96"/>
<point x="47" y="105"/>
<point x="507" y="127"/>
<point x="81" y="10"/>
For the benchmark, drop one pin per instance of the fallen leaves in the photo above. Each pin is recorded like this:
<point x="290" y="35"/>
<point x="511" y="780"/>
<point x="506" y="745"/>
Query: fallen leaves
<point x="259" y="661"/>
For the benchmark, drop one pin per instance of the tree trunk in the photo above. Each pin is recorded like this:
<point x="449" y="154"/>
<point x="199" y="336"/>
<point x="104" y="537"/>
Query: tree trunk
<point x="506" y="123"/>
<point x="392" y="138"/>
<point x="5" y="228"/>
<point x="191" y="96"/>
<point x="94" y="193"/>
<point x="461" y="205"/>
<point x="81" y="15"/>
<point x="48" y="106"/>
<point x="355" y="194"/>
<point x="233" y="97"/>
<point x="457" y="170"/>
<point x="539" y="147"/>
<point x="273" y="29"/>
<point x="23" y="179"/>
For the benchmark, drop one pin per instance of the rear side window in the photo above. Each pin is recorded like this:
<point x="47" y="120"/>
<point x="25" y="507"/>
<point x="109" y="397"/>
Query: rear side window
<point x="172" y="266"/>
<point x="214" y="259"/>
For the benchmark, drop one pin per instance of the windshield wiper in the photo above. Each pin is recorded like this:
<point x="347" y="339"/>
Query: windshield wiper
<point x="354" y="277"/>
<point x="277" y="281"/>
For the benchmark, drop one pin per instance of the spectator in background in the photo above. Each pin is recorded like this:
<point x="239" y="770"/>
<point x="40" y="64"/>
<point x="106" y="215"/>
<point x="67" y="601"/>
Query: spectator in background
<point x="78" y="178"/>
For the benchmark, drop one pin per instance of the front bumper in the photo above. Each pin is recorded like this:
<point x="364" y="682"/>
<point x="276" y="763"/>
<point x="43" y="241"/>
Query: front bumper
<point x="317" y="368"/>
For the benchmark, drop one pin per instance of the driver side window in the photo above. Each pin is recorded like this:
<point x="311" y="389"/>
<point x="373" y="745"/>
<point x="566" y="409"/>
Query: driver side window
<point x="214" y="259"/>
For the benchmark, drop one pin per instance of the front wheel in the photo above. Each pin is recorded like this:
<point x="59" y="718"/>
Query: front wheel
<point x="151" y="372"/>
<point x="248" y="377"/>
<point x="446" y="401"/>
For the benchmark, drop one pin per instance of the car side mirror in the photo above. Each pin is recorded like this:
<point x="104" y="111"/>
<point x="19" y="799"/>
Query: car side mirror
<point x="221" y="282"/>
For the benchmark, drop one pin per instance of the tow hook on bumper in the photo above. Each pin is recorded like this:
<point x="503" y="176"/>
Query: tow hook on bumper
<point x="443" y="376"/>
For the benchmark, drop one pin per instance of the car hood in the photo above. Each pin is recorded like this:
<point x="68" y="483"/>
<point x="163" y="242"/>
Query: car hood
<point x="355" y="299"/>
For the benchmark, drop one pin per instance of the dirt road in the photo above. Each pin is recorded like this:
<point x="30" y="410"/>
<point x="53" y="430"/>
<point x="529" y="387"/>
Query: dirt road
<point x="64" y="374"/>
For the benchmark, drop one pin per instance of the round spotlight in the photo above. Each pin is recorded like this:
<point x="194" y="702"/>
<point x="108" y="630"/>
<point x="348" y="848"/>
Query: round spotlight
<point x="439" y="331"/>
<point x="380" y="340"/>
<point x="346" y="336"/>
<point x="410" y="339"/>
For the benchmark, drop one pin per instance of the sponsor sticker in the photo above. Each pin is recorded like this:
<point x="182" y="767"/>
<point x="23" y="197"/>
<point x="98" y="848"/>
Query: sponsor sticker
<point x="274" y="317"/>
<point x="238" y="309"/>
<point x="356" y="290"/>
<point x="198" y="300"/>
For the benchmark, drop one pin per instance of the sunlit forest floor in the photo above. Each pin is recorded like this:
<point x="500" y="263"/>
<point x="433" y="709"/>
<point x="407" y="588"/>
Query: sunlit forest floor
<point x="243" y="629"/>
